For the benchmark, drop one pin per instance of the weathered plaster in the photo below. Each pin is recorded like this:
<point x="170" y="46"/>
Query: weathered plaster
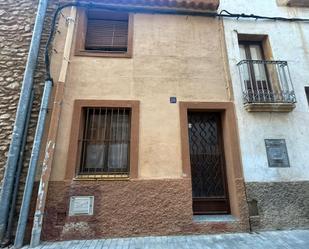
<point x="289" y="41"/>
<point x="131" y="208"/>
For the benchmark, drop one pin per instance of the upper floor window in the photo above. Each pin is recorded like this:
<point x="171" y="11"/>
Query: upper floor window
<point x="104" y="33"/>
<point x="264" y="81"/>
<point x="104" y="140"/>
<point x="255" y="76"/>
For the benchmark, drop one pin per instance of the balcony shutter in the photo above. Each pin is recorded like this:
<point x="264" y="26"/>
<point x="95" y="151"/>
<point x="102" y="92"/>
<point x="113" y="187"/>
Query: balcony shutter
<point x="107" y="35"/>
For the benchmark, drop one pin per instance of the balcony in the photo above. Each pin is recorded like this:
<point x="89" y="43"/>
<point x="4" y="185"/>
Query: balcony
<point x="266" y="86"/>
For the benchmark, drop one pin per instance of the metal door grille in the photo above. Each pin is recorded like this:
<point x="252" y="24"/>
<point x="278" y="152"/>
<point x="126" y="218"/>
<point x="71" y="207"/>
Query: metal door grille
<point x="207" y="159"/>
<point x="104" y="145"/>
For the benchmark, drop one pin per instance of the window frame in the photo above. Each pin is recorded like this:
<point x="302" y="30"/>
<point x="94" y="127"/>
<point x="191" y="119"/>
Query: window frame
<point x="247" y="45"/>
<point x="80" y="38"/>
<point x="73" y="165"/>
<point x="307" y="93"/>
<point x="262" y="39"/>
<point x="82" y="154"/>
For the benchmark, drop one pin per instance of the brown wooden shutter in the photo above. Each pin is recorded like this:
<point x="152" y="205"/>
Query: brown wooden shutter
<point x="107" y="35"/>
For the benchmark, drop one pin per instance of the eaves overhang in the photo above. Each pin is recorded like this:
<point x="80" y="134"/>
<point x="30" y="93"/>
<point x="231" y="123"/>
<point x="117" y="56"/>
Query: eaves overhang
<point x="189" y="5"/>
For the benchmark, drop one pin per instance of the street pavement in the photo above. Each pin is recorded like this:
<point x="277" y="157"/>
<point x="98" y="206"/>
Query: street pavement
<point x="288" y="239"/>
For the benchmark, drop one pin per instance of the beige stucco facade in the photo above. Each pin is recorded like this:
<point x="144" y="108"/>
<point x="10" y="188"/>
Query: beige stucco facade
<point x="173" y="55"/>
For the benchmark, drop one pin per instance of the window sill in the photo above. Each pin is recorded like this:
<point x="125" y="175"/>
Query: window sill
<point x="102" y="178"/>
<point x="214" y="218"/>
<point x="269" y="107"/>
<point x="90" y="53"/>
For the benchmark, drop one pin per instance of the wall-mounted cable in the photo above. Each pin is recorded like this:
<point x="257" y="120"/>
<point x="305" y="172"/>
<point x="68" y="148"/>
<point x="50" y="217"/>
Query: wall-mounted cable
<point x="154" y="10"/>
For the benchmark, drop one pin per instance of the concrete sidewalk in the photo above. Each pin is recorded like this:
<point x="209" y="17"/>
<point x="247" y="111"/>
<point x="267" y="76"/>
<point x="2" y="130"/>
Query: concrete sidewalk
<point x="292" y="239"/>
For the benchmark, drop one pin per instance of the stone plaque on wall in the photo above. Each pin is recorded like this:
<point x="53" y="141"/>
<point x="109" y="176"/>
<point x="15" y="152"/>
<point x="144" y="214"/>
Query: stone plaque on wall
<point x="277" y="153"/>
<point x="81" y="205"/>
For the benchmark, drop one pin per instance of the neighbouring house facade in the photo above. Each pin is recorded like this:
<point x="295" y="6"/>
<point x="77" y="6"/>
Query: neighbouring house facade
<point x="168" y="120"/>
<point x="269" y="65"/>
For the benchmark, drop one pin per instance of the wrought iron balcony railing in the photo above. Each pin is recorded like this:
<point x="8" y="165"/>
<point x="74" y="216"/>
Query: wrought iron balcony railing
<point x="266" y="82"/>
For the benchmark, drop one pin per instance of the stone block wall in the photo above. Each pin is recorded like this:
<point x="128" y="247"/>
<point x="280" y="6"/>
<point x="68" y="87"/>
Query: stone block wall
<point x="278" y="205"/>
<point x="16" y="25"/>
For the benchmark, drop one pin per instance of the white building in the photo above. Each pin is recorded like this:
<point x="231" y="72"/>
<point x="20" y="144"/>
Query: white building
<point x="277" y="184"/>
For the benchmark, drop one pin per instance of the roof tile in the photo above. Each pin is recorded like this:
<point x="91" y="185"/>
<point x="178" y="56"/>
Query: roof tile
<point x="198" y="5"/>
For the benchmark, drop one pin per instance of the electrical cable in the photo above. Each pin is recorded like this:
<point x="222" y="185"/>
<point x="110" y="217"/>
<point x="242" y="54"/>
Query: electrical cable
<point x="223" y="14"/>
<point x="275" y="18"/>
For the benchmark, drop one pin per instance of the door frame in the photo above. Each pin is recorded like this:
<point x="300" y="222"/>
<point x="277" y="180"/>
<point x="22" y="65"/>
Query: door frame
<point x="231" y="148"/>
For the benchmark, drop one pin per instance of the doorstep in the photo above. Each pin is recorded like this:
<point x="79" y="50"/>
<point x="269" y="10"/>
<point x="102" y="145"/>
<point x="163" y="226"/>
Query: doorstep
<point x="214" y="218"/>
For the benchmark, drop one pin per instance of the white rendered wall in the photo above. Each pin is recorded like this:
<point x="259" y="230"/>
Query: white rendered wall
<point x="289" y="42"/>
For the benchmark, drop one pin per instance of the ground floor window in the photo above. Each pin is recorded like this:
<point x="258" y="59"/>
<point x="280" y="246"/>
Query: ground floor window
<point x="104" y="139"/>
<point x="105" y="142"/>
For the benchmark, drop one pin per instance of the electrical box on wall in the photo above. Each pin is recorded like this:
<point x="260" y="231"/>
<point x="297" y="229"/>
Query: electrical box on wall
<point x="81" y="205"/>
<point x="277" y="153"/>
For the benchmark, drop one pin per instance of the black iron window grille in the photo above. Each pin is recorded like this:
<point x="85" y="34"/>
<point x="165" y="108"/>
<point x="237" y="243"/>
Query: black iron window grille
<point x="266" y="81"/>
<point x="105" y="142"/>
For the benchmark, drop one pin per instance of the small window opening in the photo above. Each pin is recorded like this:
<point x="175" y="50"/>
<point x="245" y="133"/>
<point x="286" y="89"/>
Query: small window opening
<point x="107" y="31"/>
<point x="253" y="208"/>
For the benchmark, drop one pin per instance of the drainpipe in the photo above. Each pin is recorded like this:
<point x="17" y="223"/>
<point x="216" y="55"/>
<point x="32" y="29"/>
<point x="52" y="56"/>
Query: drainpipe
<point x="8" y="234"/>
<point x="52" y="134"/>
<point x="24" y="210"/>
<point x="21" y="116"/>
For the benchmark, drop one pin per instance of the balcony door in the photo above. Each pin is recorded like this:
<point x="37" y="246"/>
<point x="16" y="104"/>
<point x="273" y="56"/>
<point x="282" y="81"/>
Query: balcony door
<point x="255" y="73"/>
<point x="209" y="184"/>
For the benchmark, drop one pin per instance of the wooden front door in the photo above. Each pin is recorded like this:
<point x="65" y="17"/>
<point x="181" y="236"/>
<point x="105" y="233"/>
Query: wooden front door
<point x="209" y="186"/>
